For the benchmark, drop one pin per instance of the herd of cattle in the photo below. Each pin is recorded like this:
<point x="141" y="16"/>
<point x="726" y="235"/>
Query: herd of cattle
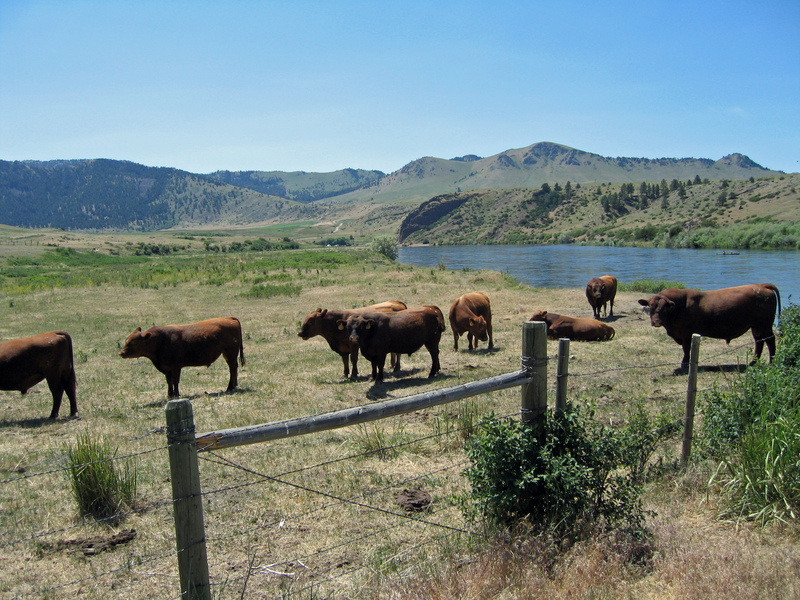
<point x="392" y="329"/>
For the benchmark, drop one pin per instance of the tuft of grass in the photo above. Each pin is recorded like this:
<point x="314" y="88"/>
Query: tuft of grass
<point x="98" y="488"/>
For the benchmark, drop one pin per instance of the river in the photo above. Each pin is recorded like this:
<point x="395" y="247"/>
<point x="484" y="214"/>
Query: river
<point x="572" y="266"/>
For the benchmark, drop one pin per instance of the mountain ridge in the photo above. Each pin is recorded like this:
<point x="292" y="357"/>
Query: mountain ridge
<point x="108" y="194"/>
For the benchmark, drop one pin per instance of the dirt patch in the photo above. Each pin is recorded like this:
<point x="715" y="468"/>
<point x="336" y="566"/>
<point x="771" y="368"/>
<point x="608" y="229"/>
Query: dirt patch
<point x="93" y="545"/>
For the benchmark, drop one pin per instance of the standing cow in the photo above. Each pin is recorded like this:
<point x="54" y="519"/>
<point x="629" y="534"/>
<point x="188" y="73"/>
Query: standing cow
<point x="472" y="313"/>
<point x="573" y="328"/>
<point x="601" y="291"/>
<point x="405" y="332"/>
<point x="173" y="347"/>
<point x="325" y="322"/>
<point x="26" y="361"/>
<point x="722" y="314"/>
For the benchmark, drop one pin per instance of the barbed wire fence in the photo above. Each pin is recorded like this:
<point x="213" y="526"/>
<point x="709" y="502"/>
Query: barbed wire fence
<point x="338" y="567"/>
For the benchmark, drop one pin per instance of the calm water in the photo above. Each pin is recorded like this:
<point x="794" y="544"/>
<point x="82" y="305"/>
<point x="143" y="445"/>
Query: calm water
<point x="573" y="266"/>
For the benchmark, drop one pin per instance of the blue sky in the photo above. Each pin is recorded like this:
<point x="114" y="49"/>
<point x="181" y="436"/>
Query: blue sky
<point x="325" y="85"/>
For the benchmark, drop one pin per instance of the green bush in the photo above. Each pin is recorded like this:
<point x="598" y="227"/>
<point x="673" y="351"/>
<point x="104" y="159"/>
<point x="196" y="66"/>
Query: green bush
<point x="753" y="431"/>
<point x="99" y="489"/>
<point x="649" y="286"/>
<point x="574" y="476"/>
<point x="270" y="290"/>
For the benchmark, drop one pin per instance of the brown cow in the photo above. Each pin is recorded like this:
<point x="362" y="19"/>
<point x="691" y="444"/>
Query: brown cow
<point x="574" y="328"/>
<point x="472" y="313"/>
<point x="173" y="347"/>
<point x="325" y="323"/>
<point x="26" y="361"/>
<point x="722" y="314"/>
<point x="405" y="332"/>
<point x="599" y="291"/>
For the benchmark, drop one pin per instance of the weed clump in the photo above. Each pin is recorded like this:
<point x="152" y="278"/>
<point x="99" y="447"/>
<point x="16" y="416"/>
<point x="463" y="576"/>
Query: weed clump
<point x="99" y="489"/>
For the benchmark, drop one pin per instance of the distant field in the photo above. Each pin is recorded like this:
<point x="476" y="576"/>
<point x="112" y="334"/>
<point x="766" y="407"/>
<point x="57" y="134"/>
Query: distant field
<point x="272" y="539"/>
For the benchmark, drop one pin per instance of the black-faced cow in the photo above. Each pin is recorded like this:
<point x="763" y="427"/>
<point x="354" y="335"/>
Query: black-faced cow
<point x="405" y="332"/>
<point x="325" y="323"/>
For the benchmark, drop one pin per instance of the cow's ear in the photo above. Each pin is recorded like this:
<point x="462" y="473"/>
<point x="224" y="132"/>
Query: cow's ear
<point x="644" y="302"/>
<point x="138" y="330"/>
<point x="471" y="323"/>
<point x="146" y="335"/>
<point x="340" y="324"/>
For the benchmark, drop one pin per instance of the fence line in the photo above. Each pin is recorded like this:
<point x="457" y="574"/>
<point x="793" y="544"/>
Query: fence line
<point x="186" y="426"/>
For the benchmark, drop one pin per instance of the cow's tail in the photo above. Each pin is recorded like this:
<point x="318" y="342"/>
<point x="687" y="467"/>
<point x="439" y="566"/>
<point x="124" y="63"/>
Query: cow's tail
<point x="242" y="360"/>
<point x="778" y="296"/>
<point x="69" y="378"/>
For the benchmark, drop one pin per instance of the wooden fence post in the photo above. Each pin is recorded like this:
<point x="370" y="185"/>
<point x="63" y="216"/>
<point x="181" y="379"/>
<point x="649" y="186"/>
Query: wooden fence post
<point x="190" y="533"/>
<point x="691" y="393"/>
<point x="562" y="374"/>
<point x="534" y="360"/>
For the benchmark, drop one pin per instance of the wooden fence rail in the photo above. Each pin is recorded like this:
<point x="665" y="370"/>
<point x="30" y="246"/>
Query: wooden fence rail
<point x="184" y="445"/>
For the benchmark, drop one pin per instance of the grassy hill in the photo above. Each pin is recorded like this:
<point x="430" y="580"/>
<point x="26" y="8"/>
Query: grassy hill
<point x="500" y="196"/>
<point x="609" y="213"/>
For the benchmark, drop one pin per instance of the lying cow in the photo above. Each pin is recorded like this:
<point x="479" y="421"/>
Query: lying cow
<point x="722" y="314"/>
<point x="601" y="291"/>
<point x="574" y="328"/>
<point x="26" y="361"/>
<point x="325" y="322"/>
<point x="173" y="347"/>
<point x="472" y="314"/>
<point x="378" y="334"/>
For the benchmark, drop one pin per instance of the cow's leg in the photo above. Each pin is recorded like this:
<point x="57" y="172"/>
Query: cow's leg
<point x="611" y="310"/>
<point x="469" y="340"/>
<point x="433" y="349"/>
<point x="58" y="392"/>
<point x="455" y="337"/>
<point x="394" y="360"/>
<point x="491" y="337"/>
<point x="687" y="348"/>
<point x="760" y="337"/>
<point x="234" y="369"/>
<point x="346" y="364"/>
<point x="173" y="379"/>
<point x="71" y="387"/>
<point x="377" y="367"/>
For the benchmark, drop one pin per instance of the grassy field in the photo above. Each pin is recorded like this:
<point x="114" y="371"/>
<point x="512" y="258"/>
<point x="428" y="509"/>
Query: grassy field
<point x="317" y="516"/>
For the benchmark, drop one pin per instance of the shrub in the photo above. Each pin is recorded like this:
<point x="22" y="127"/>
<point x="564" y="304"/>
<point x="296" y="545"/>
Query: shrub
<point x="752" y="430"/>
<point x="99" y="489"/>
<point x="387" y="246"/>
<point x="574" y="476"/>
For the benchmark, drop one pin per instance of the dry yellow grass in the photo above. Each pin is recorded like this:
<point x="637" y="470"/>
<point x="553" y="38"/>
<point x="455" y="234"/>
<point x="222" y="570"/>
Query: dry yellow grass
<point x="268" y="535"/>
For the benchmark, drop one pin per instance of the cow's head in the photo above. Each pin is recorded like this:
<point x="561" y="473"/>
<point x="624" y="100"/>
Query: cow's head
<point x="358" y="327"/>
<point x="477" y="327"/>
<point x="539" y="315"/>
<point x="660" y="308"/>
<point x="136" y="344"/>
<point x="596" y="288"/>
<point x="312" y="325"/>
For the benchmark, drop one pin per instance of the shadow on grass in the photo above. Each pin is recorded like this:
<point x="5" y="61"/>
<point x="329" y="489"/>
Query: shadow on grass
<point x="36" y="423"/>
<point x="402" y="381"/>
<point x="738" y="368"/>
